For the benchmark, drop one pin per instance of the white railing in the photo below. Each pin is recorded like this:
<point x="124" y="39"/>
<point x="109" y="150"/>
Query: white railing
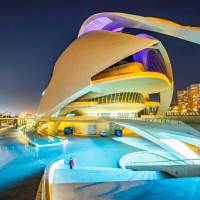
<point x="162" y="120"/>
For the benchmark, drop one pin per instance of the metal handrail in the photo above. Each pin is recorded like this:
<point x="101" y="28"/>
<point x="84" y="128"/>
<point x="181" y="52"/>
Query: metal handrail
<point x="159" y="120"/>
<point x="164" y="161"/>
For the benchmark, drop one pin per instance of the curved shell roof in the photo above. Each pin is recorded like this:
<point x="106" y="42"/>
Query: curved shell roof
<point x="95" y="51"/>
<point x="117" y="21"/>
<point x="86" y="56"/>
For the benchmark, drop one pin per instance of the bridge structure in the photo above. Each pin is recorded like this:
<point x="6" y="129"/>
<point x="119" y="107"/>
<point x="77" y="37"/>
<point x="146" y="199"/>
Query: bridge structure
<point x="14" y="121"/>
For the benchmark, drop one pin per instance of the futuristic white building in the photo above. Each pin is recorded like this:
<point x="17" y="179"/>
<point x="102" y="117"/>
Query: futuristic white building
<point x="106" y="71"/>
<point x="104" y="77"/>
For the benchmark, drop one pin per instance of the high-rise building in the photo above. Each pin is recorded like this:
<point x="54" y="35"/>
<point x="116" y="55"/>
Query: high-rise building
<point x="182" y="99"/>
<point x="189" y="100"/>
<point x="194" y="98"/>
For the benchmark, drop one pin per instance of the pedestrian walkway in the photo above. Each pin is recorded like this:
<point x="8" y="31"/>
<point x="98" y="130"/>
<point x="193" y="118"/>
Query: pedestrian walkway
<point x="103" y="175"/>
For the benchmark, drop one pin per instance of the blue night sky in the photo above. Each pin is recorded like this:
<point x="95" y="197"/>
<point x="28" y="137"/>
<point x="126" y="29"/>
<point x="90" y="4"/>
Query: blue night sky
<point x="34" y="33"/>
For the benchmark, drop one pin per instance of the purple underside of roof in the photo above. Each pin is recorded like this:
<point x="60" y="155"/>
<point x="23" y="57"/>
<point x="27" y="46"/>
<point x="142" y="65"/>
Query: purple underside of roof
<point x="102" y="23"/>
<point x="150" y="58"/>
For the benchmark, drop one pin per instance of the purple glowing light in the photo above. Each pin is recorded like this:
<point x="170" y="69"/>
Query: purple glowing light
<point x="150" y="58"/>
<point x="97" y="24"/>
<point x="102" y="23"/>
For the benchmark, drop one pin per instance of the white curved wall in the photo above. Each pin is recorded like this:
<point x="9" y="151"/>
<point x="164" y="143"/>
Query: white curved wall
<point x="85" y="57"/>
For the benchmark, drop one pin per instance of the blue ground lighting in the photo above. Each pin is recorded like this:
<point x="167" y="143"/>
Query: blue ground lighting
<point x="22" y="165"/>
<point x="23" y="161"/>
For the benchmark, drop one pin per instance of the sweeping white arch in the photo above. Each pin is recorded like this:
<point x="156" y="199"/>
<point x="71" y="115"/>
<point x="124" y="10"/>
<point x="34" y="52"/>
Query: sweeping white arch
<point x="100" y="45"/>
<point x="117" y="21"/>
